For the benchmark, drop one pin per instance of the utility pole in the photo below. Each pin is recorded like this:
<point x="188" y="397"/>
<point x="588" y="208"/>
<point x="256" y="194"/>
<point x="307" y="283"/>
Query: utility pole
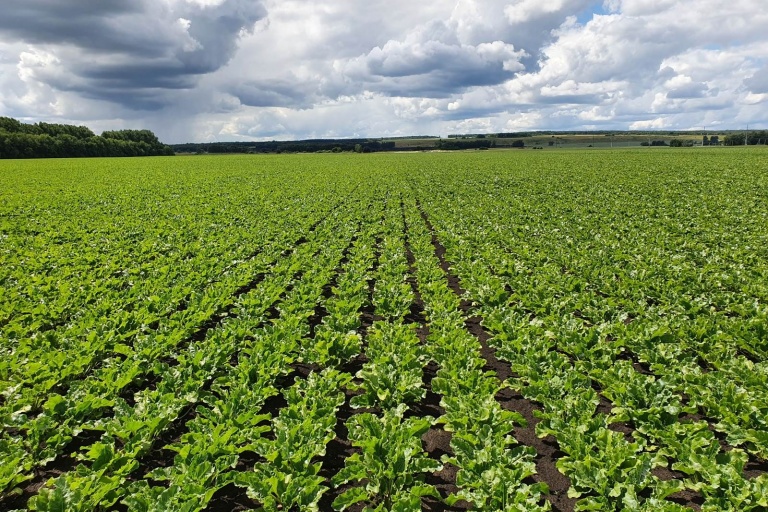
<point x="746" y="134"/>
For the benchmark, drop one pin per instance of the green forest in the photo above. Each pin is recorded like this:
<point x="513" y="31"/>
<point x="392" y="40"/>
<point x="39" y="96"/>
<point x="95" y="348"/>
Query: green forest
<point x="47" y="140"/>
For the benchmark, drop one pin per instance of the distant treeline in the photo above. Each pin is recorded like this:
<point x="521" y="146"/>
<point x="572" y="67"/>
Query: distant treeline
<point x="517" y="135"/>
<point x="332" y="146"/>
<point x="46" y="140"/>
<point x="455" y="144"/>
<point x="753" y="138"/>
<point x="299" y="146"/>
<point x="731" y="138"/>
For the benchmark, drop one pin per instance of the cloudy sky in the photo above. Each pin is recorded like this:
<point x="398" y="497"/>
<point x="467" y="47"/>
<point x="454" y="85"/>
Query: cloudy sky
<point x="206" y="70"/>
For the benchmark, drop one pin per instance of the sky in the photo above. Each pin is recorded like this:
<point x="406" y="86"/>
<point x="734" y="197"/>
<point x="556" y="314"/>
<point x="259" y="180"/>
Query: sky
<point x="240" y="70"/>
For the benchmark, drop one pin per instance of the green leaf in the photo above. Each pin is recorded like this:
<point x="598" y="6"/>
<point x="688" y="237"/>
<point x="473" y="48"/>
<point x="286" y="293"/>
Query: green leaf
<point x="350" y="497"/>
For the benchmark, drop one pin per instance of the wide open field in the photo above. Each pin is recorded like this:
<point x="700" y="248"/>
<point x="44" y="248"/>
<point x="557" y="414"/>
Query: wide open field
<point x="489" y="330"/>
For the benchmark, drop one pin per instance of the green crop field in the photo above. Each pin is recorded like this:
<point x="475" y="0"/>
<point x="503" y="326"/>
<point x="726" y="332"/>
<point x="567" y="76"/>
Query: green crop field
<point x="497" y="330"/>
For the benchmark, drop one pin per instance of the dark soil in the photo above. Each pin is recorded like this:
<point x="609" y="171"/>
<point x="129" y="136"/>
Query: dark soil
<point x="435" y="442"/>
<point x="546" y="449"/>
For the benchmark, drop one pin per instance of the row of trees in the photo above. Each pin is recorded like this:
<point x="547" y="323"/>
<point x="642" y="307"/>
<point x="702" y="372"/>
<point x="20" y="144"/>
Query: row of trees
<point x="730" y="139"/>
<point x="299" y="146"/>
<point x="753" y="138"/>
<point x="47" y="140"/>
<point x="456" y="144"/>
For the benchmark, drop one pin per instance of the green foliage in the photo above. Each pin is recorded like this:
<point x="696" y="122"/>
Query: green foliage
<point x="45" y="140"/>
<point x="391" y="464"/>
<point x="144" y="136"/>
<point x="455" y="144"/>
<point x="299" y="146"/>
<point x="214" y="304"/>
<point x="289" y="478"/>
<point x="749" y="138"/>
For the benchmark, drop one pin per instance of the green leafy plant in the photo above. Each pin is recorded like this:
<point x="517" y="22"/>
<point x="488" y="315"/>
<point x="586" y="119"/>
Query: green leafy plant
<point x="391" y="465"/>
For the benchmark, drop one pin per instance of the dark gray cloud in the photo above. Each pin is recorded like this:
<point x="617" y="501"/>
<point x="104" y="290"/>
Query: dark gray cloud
<point x="688" y="91"/>
<point x="432" y="62"/>
<point x="571" y="99"/>
<point x="125" y="52"/>
<point x="758" y="83"/>
<point x="217" y="69"/>
<point x="109" y="26"/>
<point x="135" y="99"/>
<point x="275" y="93"/>
<point x="475" y="113"/>
<point x="217" y="30"/>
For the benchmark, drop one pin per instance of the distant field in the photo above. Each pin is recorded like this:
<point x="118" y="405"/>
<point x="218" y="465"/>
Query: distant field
<point x="599" y="141"/>
<point x="495" y="330"/>
<point x="567" y="141"/>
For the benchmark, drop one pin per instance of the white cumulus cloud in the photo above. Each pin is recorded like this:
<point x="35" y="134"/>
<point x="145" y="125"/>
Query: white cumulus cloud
<point x="241" y="69"/>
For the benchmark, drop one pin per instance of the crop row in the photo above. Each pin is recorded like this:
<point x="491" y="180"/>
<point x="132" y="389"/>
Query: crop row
<point x="566" y="337"/>
<point x="297" y="337"/>
<point x="136" y="419"/>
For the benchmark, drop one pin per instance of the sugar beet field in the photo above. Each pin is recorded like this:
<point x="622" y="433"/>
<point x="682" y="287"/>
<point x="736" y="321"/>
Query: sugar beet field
<point x="517" y="331"/>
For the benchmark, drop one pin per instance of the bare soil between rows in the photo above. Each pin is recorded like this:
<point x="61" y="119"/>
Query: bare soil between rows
<point x="435" y="442"/>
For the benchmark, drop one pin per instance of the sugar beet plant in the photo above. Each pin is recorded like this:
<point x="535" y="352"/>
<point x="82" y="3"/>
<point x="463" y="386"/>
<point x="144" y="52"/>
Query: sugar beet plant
<point x="641" y="304"/>
<point x="173" y="331"/>
<point x="391" y="465"/>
